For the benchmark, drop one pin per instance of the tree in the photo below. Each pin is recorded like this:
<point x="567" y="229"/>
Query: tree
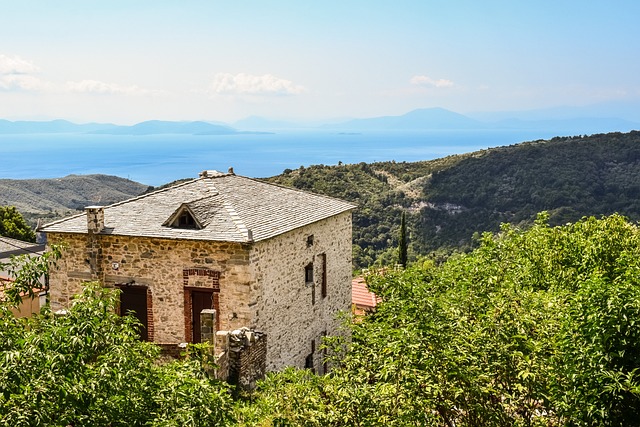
<point x="13" y="225"/>
<point x="88" y="367"/>
<point x="30" y="275"/>
<point x="534" y="328"/>
<point x="402" y="242"/>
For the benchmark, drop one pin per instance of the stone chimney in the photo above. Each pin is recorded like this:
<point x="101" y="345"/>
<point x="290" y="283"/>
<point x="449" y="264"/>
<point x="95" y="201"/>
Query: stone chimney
<point x="95" y="219"/>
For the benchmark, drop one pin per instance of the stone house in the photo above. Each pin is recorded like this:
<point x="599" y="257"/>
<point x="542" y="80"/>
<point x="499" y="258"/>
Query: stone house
<point x="12" y="247"/>
<point x="267" y="257"/>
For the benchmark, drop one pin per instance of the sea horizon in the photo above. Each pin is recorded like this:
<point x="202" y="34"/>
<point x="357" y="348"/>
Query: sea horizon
<point x="159" y="159"/>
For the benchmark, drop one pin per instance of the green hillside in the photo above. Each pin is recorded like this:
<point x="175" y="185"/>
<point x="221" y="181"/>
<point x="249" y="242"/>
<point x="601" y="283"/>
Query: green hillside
<point x="49" y="199"/>
<point x="449" y="200"/>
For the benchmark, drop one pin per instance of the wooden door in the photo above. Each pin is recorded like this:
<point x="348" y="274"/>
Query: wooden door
<point x="133" y="299"/>
<point x="200" y="300"/>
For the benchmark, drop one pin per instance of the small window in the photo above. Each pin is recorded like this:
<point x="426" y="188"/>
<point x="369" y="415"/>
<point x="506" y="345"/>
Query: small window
<point x="310" y="240"/>
<point x="308" y="273"/>
<point x="186" y="220"/>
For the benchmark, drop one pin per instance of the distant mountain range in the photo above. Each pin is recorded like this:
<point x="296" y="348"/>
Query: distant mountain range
<point x="151" y="127"/>
<point x="600" y="118"/>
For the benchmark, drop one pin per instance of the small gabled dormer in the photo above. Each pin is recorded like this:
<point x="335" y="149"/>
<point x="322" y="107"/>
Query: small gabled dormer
<point x="183" y="217"/>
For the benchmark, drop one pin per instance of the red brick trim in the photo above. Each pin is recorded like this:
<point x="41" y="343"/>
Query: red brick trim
<point x="150" y="322"/>
<point x="213" y="284"/>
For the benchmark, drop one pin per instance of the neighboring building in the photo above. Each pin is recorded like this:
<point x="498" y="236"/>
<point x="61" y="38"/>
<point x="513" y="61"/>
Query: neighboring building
<point x="12" y="247"/>
<point x="362" y="300"/>
<point x="275" y="259"/>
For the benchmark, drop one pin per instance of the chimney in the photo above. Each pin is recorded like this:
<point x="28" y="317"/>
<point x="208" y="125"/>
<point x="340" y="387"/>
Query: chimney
<point x="95" y="219"/>
<point x="230" y="172"/>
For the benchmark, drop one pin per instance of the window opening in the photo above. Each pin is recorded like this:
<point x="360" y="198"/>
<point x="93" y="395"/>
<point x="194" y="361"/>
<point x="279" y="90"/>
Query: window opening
<point x="324" y="275"/>
<point x="308" y="273"/>
<point x="308" y="361"/>
<point x="186" y="220"/>
<point x="133" y="300"/>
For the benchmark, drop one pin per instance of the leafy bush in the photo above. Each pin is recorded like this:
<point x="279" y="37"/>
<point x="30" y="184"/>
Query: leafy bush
<point x="87" y="367"/>
<point x="534" y="328"/>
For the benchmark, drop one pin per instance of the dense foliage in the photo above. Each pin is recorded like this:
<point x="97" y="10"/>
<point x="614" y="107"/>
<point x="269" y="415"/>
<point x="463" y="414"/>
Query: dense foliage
<point x="533" y="328"/>
<point x="449" y="200"/>
<point x="13" y="225"/>
<point x="87" y="368"/>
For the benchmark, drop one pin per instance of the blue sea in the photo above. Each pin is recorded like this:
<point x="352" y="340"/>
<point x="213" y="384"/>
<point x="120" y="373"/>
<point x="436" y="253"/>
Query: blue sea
<point x="159" y="159"/>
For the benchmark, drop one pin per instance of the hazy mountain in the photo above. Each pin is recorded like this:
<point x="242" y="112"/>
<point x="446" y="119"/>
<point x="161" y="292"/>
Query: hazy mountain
<point x="598" y="118"/>
<point x="151" y="127"/>
<point x="421" y="119"/>
<point x="53" y="126"/>
<point x="154" y="127"/>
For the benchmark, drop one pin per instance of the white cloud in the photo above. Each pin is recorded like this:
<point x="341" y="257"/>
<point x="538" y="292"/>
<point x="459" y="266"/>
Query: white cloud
<point x="17" y="74"/>
<point x="22" y="82"/>
<point x="11" y="65"/>
<point x="429" y="82"/>
<point x="267" y="84"/>
<point x="96" y="86"/>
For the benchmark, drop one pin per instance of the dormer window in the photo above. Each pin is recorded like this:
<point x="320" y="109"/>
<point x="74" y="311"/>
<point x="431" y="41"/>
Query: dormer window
<point x="183" y="217"/>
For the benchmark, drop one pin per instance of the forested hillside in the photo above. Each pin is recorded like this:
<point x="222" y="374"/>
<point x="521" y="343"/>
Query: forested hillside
<point x="450" y="200"/>
<point x="52" y="198"/>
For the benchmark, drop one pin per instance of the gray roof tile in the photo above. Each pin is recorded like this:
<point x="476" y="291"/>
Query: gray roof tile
<point x="230" y="207"/>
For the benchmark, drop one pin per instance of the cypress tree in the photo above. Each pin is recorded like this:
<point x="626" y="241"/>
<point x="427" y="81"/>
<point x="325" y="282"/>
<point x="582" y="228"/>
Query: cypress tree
<point x="402" y="244"/>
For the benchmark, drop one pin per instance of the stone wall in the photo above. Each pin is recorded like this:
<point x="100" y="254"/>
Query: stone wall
<point x="295" y="314"/>
<point x="164" y="267"/>
<point x="241" y="356"/>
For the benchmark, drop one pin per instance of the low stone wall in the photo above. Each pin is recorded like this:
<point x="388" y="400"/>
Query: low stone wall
<point x="242" y="359"/>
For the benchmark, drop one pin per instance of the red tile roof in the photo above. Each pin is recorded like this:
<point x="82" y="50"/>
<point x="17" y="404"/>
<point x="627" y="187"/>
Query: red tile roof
<point x="360" y="295"/>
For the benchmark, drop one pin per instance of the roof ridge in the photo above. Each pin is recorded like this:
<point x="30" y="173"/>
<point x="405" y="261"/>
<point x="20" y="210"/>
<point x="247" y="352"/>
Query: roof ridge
<point x="237" y="221"/>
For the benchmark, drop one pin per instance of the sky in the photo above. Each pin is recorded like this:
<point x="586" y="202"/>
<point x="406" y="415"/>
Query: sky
<point x="126" y="61"/>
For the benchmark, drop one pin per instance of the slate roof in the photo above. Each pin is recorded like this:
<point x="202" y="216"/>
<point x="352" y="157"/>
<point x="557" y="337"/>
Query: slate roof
<point x="10" y="247"/>
<point x="229" y="208"/>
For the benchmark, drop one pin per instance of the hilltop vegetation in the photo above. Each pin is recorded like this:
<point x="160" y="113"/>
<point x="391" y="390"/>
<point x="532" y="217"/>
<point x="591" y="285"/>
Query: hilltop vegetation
<point x="450" y="201"/>
<point x="49" y="199"/>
